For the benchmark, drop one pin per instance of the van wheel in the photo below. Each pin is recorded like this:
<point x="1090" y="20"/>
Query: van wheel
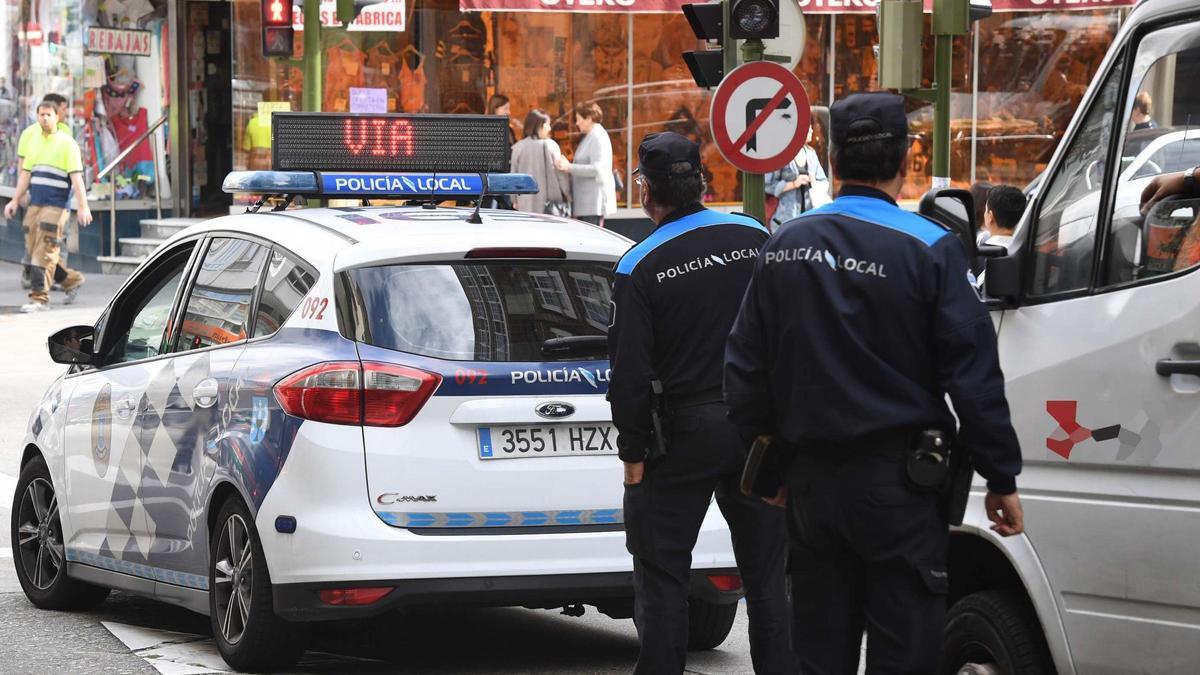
<point x="997" y="629"/>
<point x="709" y="623"/>
<point x="38" y="549"/>
<point x="247" y="631"/>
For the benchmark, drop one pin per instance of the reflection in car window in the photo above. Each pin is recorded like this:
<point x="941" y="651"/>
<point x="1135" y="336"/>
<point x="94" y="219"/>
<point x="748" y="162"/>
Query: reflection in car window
<point x="149" y="326"/>
<point x="218" y="307"/>
<point x="1064" y="238"/>
<point x="285" y="286"/>
<point x="1161" y="103"/>
<point x="501" y="311"/>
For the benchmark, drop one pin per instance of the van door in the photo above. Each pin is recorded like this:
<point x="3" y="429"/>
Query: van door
<point x="1107" y="415"/>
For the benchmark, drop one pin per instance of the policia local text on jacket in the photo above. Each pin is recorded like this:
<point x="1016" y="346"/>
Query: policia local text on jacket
<point x="675" y="297"/>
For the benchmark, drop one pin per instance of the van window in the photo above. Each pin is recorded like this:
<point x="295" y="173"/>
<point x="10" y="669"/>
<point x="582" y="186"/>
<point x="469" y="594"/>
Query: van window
<point x="1064" y="235"/>
<point x="491" y="311"/>
<point x="1162" y="135"/>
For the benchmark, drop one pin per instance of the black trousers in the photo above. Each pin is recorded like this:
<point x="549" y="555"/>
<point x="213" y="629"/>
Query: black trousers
<point x="866" y="551"/>
<point x="663" y="515"/>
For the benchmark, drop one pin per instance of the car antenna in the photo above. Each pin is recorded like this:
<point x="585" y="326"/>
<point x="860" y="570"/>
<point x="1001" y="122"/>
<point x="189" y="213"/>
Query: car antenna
<point x="475" y="219"/>
<point x="432" y="203"/>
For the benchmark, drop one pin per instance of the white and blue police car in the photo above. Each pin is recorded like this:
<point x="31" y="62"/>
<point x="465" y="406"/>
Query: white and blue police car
<point x="296" y="415"/>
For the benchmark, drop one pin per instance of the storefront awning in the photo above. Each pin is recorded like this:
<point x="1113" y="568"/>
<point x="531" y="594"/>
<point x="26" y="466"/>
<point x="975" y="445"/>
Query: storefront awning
<point x="808" y="6"/>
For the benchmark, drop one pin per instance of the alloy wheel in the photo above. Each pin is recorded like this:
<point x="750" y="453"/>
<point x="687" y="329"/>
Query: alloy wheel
<point x="39" y="534"/>
<point x="234" y="578"/>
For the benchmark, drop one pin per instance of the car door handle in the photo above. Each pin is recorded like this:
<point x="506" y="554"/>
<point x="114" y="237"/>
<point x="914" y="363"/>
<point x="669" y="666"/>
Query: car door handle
<point x="205" y="393"/>
<point x="1168" y="367"/>
<point x="125" y="408"/>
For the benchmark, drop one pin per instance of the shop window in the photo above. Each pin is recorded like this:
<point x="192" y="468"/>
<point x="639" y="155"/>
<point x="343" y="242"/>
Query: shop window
<point x="1034" y="68"/>
<point x="1162" y="135"/>
<point x="1065" y="228"/>
<point x="218" y="305"/>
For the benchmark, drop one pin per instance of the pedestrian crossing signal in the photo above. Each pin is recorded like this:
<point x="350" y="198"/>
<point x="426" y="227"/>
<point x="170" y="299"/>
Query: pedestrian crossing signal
<point x="277" y="27"/>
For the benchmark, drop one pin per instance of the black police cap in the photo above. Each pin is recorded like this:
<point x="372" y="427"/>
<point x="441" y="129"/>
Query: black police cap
<point x="666" y="155"/>
<point x="884" y="111"/>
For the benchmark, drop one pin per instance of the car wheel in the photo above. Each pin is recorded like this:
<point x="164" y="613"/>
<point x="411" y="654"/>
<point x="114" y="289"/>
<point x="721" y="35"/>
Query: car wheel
<point x="997" y="631"/>
<point x="709" y="623"/>
<point x="247" y="631"/>
<point x="39" y="551"/>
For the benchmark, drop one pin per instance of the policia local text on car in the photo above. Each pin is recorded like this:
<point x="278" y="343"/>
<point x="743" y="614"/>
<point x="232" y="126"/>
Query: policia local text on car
<point x="675" y="297"/>
<point x="859" y="319"/>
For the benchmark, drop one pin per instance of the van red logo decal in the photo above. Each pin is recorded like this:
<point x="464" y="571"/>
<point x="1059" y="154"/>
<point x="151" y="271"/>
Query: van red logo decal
<point x="1071" y="433"/>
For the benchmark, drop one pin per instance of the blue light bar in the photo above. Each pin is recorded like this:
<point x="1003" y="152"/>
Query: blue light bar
<point x="271" y="182"/>
<point x="357" y="184"/>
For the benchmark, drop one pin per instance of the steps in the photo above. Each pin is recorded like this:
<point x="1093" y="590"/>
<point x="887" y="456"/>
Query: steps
<point x="133" y="250"/>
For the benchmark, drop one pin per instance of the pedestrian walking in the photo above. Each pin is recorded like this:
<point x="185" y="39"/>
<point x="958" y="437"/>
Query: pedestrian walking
<point x="23" y="145"/>
<point x="593" y="190"/>
<point x="798" y="187"/>
<point x="675" y="296"/>
<point x="52" y="165"/>
<point x="858" y="321"/>
<point x="537" y="155"/>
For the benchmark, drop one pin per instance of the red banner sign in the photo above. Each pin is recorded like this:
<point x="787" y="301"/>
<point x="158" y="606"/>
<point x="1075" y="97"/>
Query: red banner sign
<point x="807" y="6"/>
<point x="118" y="41"/>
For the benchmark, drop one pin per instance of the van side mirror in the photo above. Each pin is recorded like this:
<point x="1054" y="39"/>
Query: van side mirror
<point x="73" y="345"/>
<point x="954" y="208"/>
<point x="1003" y="280"/>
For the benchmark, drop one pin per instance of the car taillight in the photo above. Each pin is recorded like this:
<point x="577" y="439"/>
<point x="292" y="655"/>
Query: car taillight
<point x="347" y="392"/>
<point x="515" y="252"/>
<point x="327" y="392"/>
<point x="393" y="395"/>
<point x="353" y="597"/>
<point x="725" y="582"/>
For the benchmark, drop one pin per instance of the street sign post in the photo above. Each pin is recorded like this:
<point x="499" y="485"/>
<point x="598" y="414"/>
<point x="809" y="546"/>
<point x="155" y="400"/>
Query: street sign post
<point x="760" y="117"/>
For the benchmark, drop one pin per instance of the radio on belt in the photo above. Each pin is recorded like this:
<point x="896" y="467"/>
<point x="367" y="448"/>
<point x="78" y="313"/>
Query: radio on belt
<point x="353" y="155"/>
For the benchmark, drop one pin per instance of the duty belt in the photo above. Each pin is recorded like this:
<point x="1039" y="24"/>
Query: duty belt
<point x="705" y="397"/>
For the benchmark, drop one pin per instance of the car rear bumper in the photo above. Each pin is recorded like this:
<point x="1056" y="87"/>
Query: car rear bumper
<point x="611" y="592"/>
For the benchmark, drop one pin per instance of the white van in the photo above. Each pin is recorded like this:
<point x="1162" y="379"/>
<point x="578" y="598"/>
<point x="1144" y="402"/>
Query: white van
<point x="1098" y="313"/>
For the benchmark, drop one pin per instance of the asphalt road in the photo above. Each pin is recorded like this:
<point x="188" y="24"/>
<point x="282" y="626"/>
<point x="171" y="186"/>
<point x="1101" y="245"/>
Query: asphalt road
<point x="160" y="638"/>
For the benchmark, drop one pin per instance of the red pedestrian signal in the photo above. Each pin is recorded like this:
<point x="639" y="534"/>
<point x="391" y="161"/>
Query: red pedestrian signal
<point x="277" y="32"/>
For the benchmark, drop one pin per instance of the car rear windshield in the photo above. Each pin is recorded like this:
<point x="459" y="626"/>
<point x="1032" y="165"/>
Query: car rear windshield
<point x="483" y="311"/>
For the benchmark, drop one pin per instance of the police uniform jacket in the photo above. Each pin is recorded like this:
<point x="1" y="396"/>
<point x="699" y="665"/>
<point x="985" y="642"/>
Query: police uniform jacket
<point x="675" y="296"/>
<point x="858" y="321"/>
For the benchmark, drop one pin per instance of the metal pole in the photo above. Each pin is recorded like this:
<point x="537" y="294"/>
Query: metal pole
<point x="629" y="184"/>
<point x="313" y="88"/>
<point x="157" y="178"/>
<point x="754" y="198"/>
<point x="112" y="214"/>
<point x="974" y="97"/>
<point x="943" y="52"/>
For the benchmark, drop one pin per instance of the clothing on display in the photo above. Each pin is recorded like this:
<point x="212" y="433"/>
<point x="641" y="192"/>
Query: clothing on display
<point x="344" y="70"/>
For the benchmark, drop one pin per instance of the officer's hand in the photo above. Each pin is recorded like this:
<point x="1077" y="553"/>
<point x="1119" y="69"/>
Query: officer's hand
<point x="634" y="471"/>
<point x="10" y="209"/>
<point x="780" y="498"/>
<point x="1005" y="513"/>
<point x="1161" y="187"/>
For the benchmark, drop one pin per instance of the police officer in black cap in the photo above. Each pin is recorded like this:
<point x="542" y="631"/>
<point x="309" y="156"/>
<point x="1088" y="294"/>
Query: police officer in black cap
<point x="674" y="300"/>
<point x="858" y="321"/>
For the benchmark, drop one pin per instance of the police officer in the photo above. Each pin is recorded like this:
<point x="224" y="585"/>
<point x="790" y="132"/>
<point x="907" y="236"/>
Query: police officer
<point x="859" y="319"/>
<point x="675" y="297"/>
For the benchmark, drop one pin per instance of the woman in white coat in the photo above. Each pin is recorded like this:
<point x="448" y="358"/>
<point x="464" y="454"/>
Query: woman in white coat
<point x="593" y="192"/>
<point x="538" y="155"/>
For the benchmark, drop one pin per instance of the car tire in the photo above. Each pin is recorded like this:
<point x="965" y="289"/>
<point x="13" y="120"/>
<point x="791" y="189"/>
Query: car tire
<point x="997" y="628"/>
<point x="251" y="639"/>
<point x="39" y="552"/>
<point x="709" y="623"/>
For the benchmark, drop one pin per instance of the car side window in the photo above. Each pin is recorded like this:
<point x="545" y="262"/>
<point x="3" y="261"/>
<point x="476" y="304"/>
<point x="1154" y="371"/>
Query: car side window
<point x="218" y="305"/>
<point x="1065" y="228"/>
<point x="141" y="319"/>
<point x="286" y="283"/>
<point x="1162" y="135"/>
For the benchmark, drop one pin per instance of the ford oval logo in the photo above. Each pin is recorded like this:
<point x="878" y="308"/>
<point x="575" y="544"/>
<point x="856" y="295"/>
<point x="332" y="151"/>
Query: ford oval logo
<point x="555" y="410"/>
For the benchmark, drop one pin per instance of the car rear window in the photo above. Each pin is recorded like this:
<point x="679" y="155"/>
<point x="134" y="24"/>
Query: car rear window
<point x="483" y="311"/>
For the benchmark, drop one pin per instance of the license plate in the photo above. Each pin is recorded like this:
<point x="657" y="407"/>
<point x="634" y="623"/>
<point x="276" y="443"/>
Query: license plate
<point x="549" y="440"/>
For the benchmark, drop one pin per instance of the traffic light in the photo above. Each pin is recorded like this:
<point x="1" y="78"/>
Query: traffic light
<point x="707" y="66"/>
<point x="277" y="27"/>
<point x="754" y="19"/>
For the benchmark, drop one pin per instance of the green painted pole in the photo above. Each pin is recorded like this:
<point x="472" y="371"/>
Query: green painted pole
<point x="754" y="198"/>
<point x="312" y="56"/>
<point x="943" y="53"/>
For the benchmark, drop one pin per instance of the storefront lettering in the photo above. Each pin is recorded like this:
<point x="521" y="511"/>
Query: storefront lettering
<point x="382" y="16"/>
<point x="118" y="41"/>
<point x="589" y="3"/>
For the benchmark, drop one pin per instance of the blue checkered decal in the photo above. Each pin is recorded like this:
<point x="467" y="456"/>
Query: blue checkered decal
<point x="138" y="570"/>
<point x="504" y="519"/>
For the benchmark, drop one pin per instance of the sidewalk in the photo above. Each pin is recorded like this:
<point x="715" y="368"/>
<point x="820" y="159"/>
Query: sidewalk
<point x="97" y="290"/>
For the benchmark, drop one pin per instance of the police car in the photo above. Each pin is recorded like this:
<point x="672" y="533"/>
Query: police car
<point x="294" y="415"/>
